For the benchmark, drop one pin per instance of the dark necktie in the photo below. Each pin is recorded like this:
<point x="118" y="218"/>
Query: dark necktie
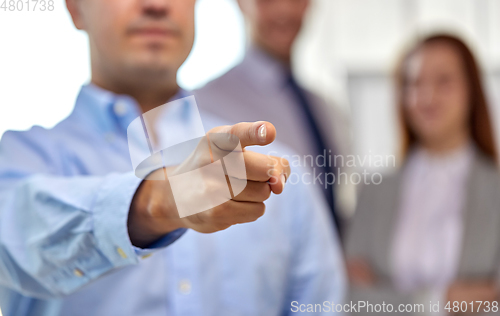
<point x="319" y="143"/>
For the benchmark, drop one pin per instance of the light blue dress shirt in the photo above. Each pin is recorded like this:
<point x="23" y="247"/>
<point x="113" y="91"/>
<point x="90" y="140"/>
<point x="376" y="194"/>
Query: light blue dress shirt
<point x="64" y="246"/>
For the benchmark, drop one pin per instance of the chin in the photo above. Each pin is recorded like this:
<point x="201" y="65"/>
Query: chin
<point x="281" y="50"/>
<point x="433" y="134"/>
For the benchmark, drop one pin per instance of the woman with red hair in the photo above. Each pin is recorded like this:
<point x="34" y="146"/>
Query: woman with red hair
<point x="431" y="231"/>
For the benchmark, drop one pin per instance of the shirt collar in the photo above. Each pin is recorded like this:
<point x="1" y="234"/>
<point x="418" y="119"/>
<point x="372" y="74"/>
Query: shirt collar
<point x="265" y="72"/>
<point x="456" y="164"/>
<point x="111" y="112"/>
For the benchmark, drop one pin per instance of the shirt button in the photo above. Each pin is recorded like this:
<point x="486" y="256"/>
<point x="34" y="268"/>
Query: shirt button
<point x="121" y="253"/>
<point x="120" y="108"/>
<point x="185" y="287"/>
<point x="78" y="273"/>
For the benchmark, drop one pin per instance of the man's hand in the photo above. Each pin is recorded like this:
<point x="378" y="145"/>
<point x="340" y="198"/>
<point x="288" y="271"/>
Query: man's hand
<point x="153" y="212"/>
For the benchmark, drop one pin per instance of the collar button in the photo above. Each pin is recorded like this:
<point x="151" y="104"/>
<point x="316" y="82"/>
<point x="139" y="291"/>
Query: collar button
<point x="120" y="108"/>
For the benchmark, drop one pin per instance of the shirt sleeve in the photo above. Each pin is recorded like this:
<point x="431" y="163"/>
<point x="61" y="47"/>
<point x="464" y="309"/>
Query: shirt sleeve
<point x="59" y="233"/>
<point x="318" y="272"/>
<point x="161" y="243"/>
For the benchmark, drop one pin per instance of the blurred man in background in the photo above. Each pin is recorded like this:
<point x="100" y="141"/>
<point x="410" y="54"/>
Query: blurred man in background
<point x="77" y="225"/>
<point x="263" y="87"/>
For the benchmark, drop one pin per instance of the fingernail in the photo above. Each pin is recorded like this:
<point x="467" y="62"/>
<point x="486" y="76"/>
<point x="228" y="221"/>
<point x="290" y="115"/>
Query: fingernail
<point x="262" y="133"/>
<point x="283" y="180"/>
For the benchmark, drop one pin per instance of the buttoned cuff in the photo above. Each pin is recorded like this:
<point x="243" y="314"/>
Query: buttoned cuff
<point x="110" y="246"/>
<point x="110" y="215"/>
<point x="161" y="243"/>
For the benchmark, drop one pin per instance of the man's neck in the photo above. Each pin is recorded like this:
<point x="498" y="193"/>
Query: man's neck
<point x="285" y="59"/>
<point x="147" y="94"/>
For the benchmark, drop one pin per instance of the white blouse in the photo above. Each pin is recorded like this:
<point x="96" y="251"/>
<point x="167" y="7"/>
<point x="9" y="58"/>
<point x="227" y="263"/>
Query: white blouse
<point x="428" y="237"/>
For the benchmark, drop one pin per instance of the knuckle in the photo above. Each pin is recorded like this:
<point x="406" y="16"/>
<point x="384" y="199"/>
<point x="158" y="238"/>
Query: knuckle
<point x="209" y="214"/>
<point x="155" y="208"/>
<point x="260" y="210"/>
<point x="219" y="128"/>
<point x="267" y="195"/>
<point x="222" y="212"/>
<point x="222" y="226"/>
<point x="249" y="134"/>
<point x="235" y="128"/>
<point x="217" y="213"/>
<point x="284" y="162"/>
<point x="264" y="191"/>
